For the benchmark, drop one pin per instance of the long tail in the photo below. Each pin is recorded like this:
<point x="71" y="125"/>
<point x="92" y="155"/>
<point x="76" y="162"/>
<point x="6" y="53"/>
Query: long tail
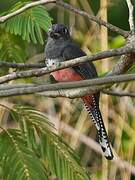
<point x="94" y="112"/>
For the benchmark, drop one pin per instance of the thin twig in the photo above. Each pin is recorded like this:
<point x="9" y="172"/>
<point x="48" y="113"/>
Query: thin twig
<point x="20" y="65"/>
<point x="66" y="64"/>
<point x="118" y="92"/>
<point x="66" y="89"/>
<point x="131" y="16"/>
<point x="24" y="8"/>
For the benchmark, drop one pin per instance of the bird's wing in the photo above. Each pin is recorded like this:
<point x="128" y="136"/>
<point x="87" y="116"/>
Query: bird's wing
<point x="87" y="69"/>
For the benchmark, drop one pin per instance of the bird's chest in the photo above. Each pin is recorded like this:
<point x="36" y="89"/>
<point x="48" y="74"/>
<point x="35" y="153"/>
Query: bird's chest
<point x="53" y="52"/>
<point x="66" y="75"/>
<point x="54" y="49"/>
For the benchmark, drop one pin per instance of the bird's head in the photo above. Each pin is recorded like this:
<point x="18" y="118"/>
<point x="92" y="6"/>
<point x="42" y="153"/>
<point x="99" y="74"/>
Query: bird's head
<point x="57" y="31"/>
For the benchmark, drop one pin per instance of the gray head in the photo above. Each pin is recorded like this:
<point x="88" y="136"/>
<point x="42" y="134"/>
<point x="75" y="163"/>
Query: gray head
<point x="57" y="31"/>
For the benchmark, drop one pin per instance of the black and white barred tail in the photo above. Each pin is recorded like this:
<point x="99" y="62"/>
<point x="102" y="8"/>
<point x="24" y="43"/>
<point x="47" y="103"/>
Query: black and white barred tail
<point x="96" y="117"/>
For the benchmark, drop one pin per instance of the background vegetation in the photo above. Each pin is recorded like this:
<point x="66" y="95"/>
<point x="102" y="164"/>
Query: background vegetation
<point x="30" y="147"/>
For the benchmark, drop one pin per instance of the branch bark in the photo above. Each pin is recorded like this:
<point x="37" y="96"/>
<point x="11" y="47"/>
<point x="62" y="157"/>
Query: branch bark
<point x="118" y="92"/>
<point x="69" y="89"/>
<point x="20" y="65"/>
<point x="131" y="16"/>
<point x="125" y="62"/>
<point x="39" y="72"/>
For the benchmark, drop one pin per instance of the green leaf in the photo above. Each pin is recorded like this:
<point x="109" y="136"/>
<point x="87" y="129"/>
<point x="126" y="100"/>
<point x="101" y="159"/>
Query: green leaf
<point x="35" y="152"/>
<point x="20" y="162"/>
<point x="29" y="24"/>
<point x="59" y="159"/>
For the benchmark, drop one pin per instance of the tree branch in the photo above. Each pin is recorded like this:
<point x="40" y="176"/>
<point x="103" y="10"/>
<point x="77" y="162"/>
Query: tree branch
<point x="118" y="92"/>
<point x="66" y="89"/>
<point x="125" y="62"/>
<point x="39" y="72"/>
<point x="131" y="16"/>
<point x="20" y="65"/>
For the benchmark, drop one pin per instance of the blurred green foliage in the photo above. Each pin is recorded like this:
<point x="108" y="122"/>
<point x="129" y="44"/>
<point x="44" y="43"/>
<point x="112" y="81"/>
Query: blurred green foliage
<point x="27" y="26"/>
<point x="35" y="152"/>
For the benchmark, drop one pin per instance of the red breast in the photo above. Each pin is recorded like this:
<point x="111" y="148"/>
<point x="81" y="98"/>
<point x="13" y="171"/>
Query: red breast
<point x="66" y="75"/>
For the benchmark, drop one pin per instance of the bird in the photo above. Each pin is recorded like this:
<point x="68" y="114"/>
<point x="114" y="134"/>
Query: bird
<point x="60" y="48"/>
